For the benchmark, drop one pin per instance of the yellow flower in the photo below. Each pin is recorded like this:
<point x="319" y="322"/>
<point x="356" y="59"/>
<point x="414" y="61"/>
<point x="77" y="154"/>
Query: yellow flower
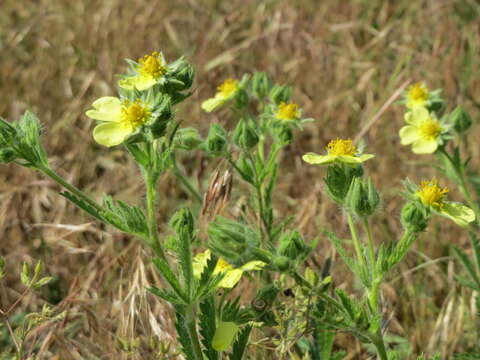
<point x="342" y="151"/>
<point x="288" y="112"/>
<point x="417" y="95"/>
<point x="120" y="119"/>
<point x="231" y="275"/>
<point x="226" y="92"/>
<point x="149" y="71"/>
<point x="422" y="132"/>
<point x="431" y="195"/>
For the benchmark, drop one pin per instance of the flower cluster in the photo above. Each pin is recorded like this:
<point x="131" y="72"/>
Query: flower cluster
<point x="142" y="109"/>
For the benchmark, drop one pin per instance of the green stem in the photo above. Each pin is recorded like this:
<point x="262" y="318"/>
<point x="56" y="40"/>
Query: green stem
<point x="192" y="332"/>
<point x="78" y="193"/>
<point x="377" y="340"/>
<point x="153" y="239"/>
<point x="356" y="241"/>
<point x="373" y="295"/>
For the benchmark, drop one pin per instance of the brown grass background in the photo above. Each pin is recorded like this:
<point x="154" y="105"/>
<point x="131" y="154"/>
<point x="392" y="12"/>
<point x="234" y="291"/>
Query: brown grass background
<point x="344" y="59"/>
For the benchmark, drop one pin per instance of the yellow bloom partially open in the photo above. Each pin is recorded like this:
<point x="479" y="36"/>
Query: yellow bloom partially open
<point x="231" y="275"/>
<point x="431" y="195"/>
<point x="288" y="112"/>
<point x="119" y="119"/>
<point x="338" y="151"/>
<point x="417" y="96"/>
<point x="150" y="70"/>
<point x="226" y="92"/>
<point x="422" y="132"/>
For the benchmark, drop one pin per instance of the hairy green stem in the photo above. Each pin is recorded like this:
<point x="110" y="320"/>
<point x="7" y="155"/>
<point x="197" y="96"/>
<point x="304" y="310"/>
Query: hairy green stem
<point x="75" y="191"/>
<point x="377" y="340"/>
<point x="356" y="241"/>
<point x="373" y="293"/>
<point x="192" y="332"/>
<point x="153" y="239"/>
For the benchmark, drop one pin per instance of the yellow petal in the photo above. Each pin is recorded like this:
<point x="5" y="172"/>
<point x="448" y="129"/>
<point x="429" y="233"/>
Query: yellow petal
<point x="231" y="278"/>
<point x="111" y="134"/>
<point x="137" y="82"/>
<point x="106" y="108"/>
<point x="409" y="134"/>
<point x="200" y="262"/>
<point x="253" y="265"/>
<point x="214" y="103"/>
<point x="316" y="159"/>
<point x="417" y="115"/>
<point x="224" y="335"/>
<point x="425" y="146"/>
<point x="462" y="215"/>
<point x="348" y="159"/>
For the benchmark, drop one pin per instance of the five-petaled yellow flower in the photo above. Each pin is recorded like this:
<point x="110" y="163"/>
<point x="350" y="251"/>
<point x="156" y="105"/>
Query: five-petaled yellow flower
<point x="120" y="119"/>
<point x="231" y="275"/>
<point x="422" y="132"/>
<point x="432" y="195"/>
<point x="338" y="151"/>
<point x="149" y="71"/>
<point x="417" y="95"/>
<point x="226" y="92"/>
<point x="288" y="112"/>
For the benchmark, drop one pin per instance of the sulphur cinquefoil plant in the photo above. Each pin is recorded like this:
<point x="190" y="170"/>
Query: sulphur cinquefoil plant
<point x="372" y="263"/>
<point x="432" y="128"/>
<point x="294" y="310"/>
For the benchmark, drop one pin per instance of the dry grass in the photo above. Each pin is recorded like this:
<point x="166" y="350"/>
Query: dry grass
<point x="345" y="60"/>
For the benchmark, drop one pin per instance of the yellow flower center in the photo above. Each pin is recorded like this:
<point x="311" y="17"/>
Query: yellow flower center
<point x="430" y="128"/>
<point x="288" y="111"/>
<point x="341" y="147"/>
<point x="152" y="65"/>
<point x="134" y="113"/>
<point x="418" y="92"/>
<point x="222" y="266"/>
<point x="431" y="194"/>
<point x="228" y="87"/>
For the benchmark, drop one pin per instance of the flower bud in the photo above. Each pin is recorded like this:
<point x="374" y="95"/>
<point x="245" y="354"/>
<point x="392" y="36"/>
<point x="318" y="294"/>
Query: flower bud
<point x="280" y="93"/>
<point x="362" y="197"/>
<point x="187" y="139"/>
<point x="183" y="220"/>
<point x="7" y="155"/>
<point x="292" y="245"/>
<point x="461" y="120"/>
<point x="284" y="134"/>
<point x="261" y="85"/>
<point x="414" y="217"/>
<point x="338" y="179"/>
<point x="282" y="263"/>
<point x="216" y="143"/>
<point x="241" y="98"/>
<point x="248" y="171"/>
<point x="245" y="135"/>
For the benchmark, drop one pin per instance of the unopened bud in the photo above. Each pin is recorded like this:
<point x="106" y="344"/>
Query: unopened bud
<point x="280" y="93"/>
<point x="261" y="85"/>
<point x="362" y="198"/>
<point x="461" y="120"/>
<point x="245" y="135"/>
<point x="338" y="179"/>
<point x="414" y="217"/>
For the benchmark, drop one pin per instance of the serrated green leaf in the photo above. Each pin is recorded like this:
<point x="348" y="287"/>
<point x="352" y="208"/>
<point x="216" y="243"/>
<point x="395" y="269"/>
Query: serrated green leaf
<point x="167" y="296"/>
<point x="43" y="281"/>
<point x="207" y="326"/>
<point x="467" y="264"/>
<point x="171" y="278"/>
<point x="240" y="345"/>
<point x="25" y="275"/>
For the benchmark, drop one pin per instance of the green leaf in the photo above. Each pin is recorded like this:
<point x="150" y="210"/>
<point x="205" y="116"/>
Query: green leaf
<point x="83" y="205"/>
<point x="183" y="337"/>
<point x="42" y="282"/>
<point x="2" y="267"/>
<point x="208" y="326"/>
<point x="25" y="275"/>
<point x="240" y="345"/>
<point x="167" y="296"/>
<point x="170" y="277"/>
<point x="467" y="264"/>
